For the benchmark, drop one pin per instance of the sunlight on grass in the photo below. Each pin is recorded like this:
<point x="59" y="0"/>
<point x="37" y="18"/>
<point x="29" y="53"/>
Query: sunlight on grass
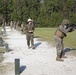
<point x="48" y="35"/>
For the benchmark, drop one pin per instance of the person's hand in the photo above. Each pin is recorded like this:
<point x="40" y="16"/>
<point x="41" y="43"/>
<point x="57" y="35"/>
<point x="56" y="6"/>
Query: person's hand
<point x="30" y="30"/>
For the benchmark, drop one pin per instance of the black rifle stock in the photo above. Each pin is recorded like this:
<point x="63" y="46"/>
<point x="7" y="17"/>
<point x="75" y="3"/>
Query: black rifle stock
<point x="73" y="27"/>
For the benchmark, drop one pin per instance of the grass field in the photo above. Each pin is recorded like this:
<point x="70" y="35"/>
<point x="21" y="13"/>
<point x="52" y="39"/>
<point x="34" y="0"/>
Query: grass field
<point x="47" y="34"/>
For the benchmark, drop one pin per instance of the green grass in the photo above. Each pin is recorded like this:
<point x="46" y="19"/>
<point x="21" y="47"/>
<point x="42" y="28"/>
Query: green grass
<point x="47" y="34"/>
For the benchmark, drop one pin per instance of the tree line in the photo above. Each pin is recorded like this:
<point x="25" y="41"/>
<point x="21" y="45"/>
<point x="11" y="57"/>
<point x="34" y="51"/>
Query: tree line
<point x="45" y="13"/>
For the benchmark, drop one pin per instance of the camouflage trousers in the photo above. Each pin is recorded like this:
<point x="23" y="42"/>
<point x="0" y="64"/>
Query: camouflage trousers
<point x="59" y="44"/>
<point x="30" y="39"/>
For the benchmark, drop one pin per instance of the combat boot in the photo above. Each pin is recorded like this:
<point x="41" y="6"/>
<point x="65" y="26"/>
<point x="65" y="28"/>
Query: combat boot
<point x="33" y="47"/>
<point x="59" y="59"/>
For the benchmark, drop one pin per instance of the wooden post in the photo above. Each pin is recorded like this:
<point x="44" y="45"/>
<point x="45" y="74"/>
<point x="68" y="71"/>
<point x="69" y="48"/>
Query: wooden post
<point x="17" y="67"/>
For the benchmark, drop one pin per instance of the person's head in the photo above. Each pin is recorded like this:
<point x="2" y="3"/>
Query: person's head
<point x="29" y="21"/>
<point x="65" y="22"/>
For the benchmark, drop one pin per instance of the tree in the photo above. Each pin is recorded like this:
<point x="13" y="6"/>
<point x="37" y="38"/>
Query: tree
<point x="46" y="13"/>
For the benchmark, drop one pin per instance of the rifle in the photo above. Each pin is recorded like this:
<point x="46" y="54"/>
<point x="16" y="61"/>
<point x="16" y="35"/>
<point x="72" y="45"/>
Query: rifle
<point x="72" y="27"/>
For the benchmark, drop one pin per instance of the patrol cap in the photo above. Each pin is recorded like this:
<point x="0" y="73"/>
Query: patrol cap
<point x="65" y="21"/>
<point x="29" y="20"/>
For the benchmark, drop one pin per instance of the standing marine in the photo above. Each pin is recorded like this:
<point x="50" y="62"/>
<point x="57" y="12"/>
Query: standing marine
<point x="30" y="27"/>
<point x="59" y="36"/>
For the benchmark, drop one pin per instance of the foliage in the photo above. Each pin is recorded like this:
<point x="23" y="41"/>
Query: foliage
<point x="45" y="13"/>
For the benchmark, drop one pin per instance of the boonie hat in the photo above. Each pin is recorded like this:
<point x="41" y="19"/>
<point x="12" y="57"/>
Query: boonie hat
<point x="29" y="20"/>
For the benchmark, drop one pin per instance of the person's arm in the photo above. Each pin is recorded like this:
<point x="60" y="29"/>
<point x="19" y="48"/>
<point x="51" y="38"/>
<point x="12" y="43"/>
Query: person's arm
<point x="64" y="28"/>
<point x="33" y="27"/>
<point x="26" y="28"/>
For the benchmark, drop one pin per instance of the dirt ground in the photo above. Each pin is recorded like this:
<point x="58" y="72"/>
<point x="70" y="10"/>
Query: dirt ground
<point x="39" y="61"/>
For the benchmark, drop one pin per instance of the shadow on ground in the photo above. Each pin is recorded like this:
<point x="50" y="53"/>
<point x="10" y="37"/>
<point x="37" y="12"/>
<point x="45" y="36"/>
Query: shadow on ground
<point x="22" y="68"/>
<point x="9" y="50"/>
<point x="37" y="44"/>
<point x="69" y="49"/>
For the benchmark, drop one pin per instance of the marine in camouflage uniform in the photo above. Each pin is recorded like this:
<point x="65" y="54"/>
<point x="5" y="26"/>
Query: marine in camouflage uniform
<point x="4" y="28"/>
<point x="30" y="33"/>
<point x="59" y="35"/>
<point x="22" y="28"/>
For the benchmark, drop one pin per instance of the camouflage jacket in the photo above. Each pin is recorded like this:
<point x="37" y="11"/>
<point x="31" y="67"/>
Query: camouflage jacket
<point x="62" y="30"/>
<point x="30" y="28"/>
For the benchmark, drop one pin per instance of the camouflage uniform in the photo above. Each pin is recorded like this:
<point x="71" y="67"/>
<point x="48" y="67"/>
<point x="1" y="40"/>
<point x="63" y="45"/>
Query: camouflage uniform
<point x="30" y="34"/>
<point x="59" y="35"/>
<point x="22" y="28"/>
<point x="4" y="28"/>
<point x="11" y="25"/>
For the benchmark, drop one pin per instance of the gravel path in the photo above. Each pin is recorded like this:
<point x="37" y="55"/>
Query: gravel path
<point x="39" y="61"/>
